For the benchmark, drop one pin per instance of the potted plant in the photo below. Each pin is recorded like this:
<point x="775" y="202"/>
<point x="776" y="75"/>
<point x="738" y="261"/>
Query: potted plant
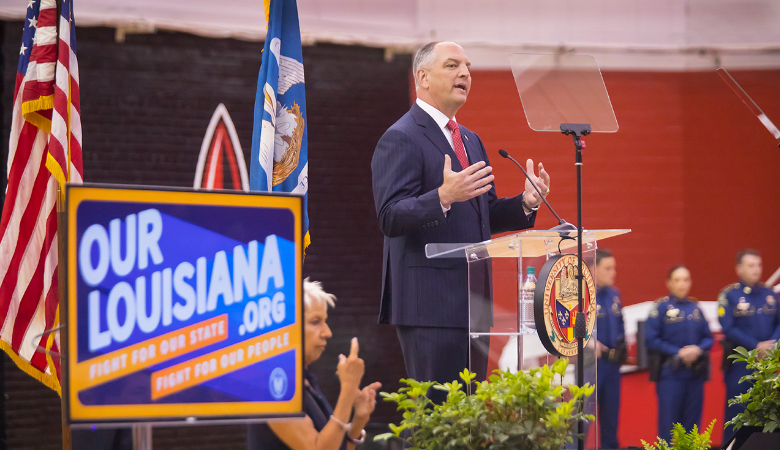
<point x="762" y="400"/>
<point x="681" y="440"/>
<point x="526" y="410"/>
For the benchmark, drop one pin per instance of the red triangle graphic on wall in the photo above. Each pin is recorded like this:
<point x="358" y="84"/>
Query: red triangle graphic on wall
<point x="221" y="161"/>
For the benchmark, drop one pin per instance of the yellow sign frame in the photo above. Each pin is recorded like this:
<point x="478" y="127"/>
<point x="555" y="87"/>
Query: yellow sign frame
<point x="79" y="414"/>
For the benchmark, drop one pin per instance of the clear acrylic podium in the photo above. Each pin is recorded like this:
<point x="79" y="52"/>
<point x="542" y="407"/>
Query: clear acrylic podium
<point x="497" y="269"/>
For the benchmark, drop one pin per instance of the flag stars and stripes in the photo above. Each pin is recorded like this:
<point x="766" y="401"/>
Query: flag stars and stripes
<point x="44" y="152"/>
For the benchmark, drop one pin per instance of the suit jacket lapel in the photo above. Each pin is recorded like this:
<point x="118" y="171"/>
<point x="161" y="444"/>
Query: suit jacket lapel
<point x="435" y="135"/>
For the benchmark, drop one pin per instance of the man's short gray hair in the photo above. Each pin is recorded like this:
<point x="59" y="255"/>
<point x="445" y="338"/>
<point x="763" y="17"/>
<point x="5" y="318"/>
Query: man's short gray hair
<point x="423" y="59"/>
<point x="313" y="294"/>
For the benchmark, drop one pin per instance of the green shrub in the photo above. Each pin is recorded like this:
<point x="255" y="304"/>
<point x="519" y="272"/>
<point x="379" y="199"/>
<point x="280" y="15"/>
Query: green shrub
<point x="510" y="411"/>
<point x="681" y="440"/>
<point x="763" y="398"/>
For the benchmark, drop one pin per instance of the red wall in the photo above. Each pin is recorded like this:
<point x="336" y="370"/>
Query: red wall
<point x="690" y="171"/>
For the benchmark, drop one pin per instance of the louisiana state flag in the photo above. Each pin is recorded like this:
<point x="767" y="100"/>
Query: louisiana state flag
<point x="279" y="138"/>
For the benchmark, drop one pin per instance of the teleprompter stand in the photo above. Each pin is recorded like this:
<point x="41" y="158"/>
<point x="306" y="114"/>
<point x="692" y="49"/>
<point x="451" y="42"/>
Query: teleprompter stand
<point x="577" y="130"/>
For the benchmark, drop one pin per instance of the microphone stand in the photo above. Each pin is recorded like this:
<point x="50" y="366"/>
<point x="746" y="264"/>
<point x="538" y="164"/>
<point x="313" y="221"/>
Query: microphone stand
<point x="563" y="226"/>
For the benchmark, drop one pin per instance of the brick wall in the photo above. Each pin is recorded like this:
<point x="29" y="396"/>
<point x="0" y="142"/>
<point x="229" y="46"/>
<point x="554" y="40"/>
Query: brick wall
<point x="145" y="107"/>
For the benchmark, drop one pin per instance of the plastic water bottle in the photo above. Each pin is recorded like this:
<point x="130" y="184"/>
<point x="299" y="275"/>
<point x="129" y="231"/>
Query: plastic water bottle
<point x="528" y="326"/>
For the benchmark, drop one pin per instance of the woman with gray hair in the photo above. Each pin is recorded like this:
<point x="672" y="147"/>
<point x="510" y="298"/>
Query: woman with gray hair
<point x="323" y="428"/>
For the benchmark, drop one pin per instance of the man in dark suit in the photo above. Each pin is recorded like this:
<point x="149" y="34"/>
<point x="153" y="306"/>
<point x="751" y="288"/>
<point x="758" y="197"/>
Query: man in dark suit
<point x="432" y="184"/>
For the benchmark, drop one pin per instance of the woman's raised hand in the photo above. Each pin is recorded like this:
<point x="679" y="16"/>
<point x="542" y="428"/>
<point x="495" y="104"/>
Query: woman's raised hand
<point x="350" y="368"/>
<point x="365" y="402"/>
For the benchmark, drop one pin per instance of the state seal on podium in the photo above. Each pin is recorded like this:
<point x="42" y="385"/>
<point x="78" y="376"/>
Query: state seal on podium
<point x="555" y="304"/>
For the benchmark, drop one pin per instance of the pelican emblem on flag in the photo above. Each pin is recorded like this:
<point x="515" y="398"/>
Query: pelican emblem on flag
<point x="287" y="141"/>
<point x="287" y="123"/>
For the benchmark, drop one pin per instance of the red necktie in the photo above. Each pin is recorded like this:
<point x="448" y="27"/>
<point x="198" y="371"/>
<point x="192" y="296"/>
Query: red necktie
<point x="457" y="143"/>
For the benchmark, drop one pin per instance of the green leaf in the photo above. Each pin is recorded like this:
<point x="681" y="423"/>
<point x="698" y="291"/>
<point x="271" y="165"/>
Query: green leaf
<point x="397" y="429"/>
<point x="440" y="429"/>
<point x="406" y="404"/>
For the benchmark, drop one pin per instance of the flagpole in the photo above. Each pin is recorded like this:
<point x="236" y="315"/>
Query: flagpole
<point x="67" y="443"/>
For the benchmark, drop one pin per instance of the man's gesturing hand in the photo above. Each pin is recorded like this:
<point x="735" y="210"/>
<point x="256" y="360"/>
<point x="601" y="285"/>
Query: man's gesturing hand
<point x="460" y="186"/>
<point x="530" y="196"/>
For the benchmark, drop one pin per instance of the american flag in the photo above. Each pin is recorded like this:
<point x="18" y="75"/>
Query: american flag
<point x="44" y="153"/>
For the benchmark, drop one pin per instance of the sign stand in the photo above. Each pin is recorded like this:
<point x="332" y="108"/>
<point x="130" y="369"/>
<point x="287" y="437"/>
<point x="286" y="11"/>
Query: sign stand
<point x="142" y="436"/>
<point x="61" y="277"/>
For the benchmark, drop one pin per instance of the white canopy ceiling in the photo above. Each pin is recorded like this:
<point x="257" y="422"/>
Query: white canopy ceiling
<point x="622" y="34"/>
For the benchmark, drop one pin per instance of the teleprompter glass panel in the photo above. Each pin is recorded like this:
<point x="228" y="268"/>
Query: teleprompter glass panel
<point x="562" y="88"/>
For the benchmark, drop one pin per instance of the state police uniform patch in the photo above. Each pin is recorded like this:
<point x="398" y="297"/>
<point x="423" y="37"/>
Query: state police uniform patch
<point x="654" y="308"/>
<point x="723" y="302"/>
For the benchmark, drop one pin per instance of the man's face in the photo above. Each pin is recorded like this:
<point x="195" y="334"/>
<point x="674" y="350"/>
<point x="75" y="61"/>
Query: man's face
<point x="749" y="270"/>
<point x="448" y="79"/>
<point x="605" y="272"/>
<point x="679" y="283"/>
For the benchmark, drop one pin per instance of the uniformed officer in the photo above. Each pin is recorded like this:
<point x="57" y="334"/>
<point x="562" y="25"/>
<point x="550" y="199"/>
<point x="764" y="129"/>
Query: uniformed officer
<point x="610" y="348"/>
<point x="749" y="316"/>
<point x="678" y="333"/>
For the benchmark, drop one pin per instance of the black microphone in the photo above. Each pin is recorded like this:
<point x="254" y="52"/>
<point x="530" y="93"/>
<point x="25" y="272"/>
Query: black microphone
<point x="562" y="224"/>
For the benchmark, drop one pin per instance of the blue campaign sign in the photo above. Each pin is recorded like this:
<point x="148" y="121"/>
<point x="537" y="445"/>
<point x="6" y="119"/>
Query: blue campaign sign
<point x="182" y="304"/>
